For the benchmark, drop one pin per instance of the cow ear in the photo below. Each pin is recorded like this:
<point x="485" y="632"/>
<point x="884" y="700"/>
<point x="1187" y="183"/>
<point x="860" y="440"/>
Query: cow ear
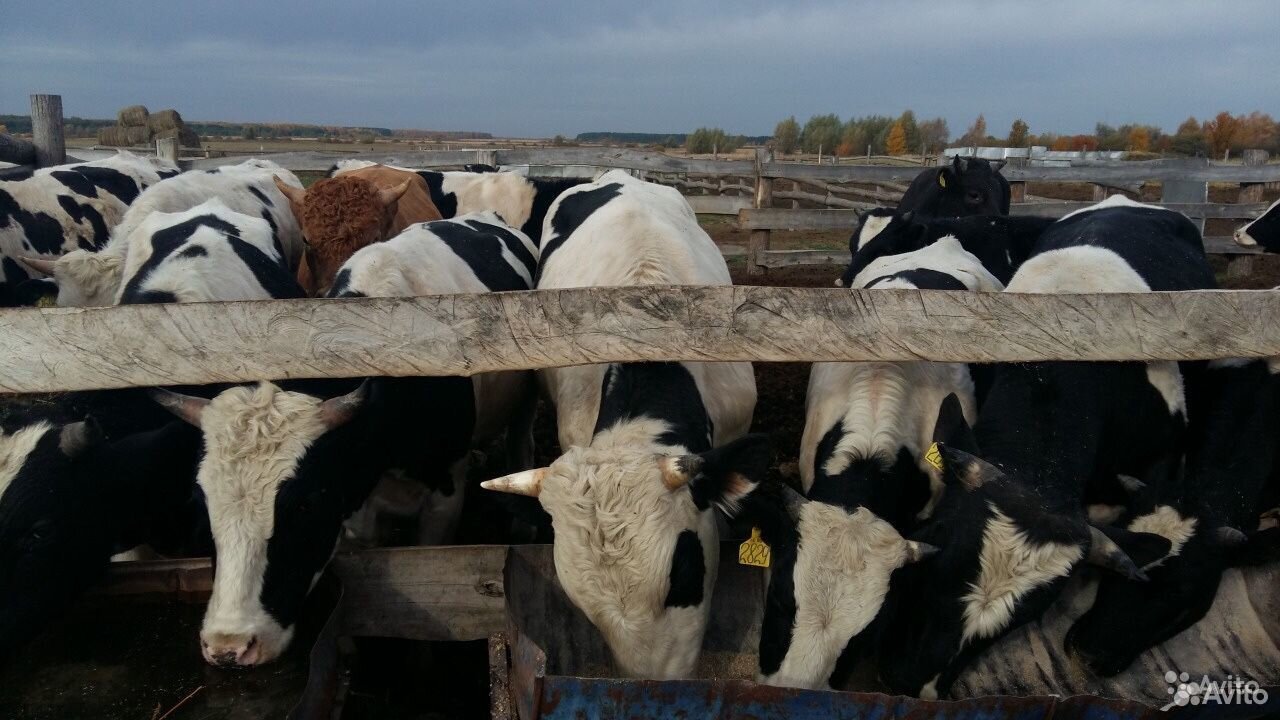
<point x="1258" y="548"/>
<point x="721" y="476"/>
<point x="77" y="437"/>
<point x="1143" y="548"/>
<point x="959" y="468"/>
<point x="1106" y="552"/>
<point x="946" y="177"/>
<point x="952" y="428"/>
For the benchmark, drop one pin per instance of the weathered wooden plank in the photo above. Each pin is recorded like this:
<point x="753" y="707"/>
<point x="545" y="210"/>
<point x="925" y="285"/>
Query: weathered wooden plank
<point x="624" y="158"/>
<point x="424" y="593"/>
<point x="143" y="345"/>
<point x="46" y="130"/>
<point x="840" y="219"/>
<point x="17" y="150"/>
<point x="787" y="258"/>
<point x="322" y="161"/>
<point x="1121" y="175"/>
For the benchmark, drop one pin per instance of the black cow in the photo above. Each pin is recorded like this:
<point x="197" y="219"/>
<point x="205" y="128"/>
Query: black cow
<point x="1012" y="527"/>
<point x="968" y="186"/>
<point x="1232" y="452"/>
<point x="1264" y="231"/>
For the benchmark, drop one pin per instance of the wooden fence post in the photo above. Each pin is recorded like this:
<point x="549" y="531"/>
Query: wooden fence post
<point x="1017" y="191"/>
<point x="1252" y="192"/>
<point x="46" y="130"/>
<point x="1186" y="191"/>
<point x="759" y="243"/>
<point x="167" y="149"/>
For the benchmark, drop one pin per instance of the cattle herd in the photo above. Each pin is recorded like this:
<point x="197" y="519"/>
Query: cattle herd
<point x="939" y="507"/>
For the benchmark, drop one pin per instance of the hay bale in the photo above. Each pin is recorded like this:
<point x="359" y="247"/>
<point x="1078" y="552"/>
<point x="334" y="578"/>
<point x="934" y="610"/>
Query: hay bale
<point x="113" y="136"/>
<point x="132" y="116"/>
<point x="165" y="120"/>
<point x="138" y="135"/>
<point x="188" y="137"/>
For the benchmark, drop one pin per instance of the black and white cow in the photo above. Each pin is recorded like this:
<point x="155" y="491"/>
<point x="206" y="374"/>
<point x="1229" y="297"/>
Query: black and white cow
<point x="1264" y="230"/>
<point x="209" y="252"/>
<point x="68" y="207"/>
<point x="650" y="448"/>
<point x="1001" y="242"/>
<point x="862" y="467"/>
<point x="1012" y="527"/>
<point x="521" y="201"/>
<point x="86" y="278"/>
<point x="1233" y="450"/>
<point x="968" y="186"/>
<point x="283" y="466"/>
<point x="472" y="253"/>
<point x="69" y="500"/>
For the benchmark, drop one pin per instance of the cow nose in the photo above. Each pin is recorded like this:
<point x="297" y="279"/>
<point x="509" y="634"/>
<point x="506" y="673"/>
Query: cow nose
<point x="228" y="650"/>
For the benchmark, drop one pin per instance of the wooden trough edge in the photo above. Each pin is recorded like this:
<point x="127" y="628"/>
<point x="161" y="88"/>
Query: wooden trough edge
<point x="65" y="349"/>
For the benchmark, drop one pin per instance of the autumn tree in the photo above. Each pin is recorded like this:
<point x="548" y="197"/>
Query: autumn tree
<point x="1189" y="139"/>
<point x="821" y="132"/>
<point x="1256" y="130"/>
<point x="934" y="134"/>
<point x="1220" y="132"/>
<point x="1018" y="133"/>
<point x="707" y="140"/>
<point x="1139" y="139"/>
<point x="911" y="129"/>
<point x="786" y="136"/>
<point x="853" y="139"/>
<point x="976" y="134"/>
<point x="896" y="144"/>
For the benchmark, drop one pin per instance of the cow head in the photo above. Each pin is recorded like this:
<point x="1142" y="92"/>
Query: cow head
<point x="84" y="278"/>
<point x="280" y="472"/>
<point x="1004" y="558"/>
<point x="53" y="532"/>
<point x="338" y="216"/>
<point x="970" y="186"/>
<point x="828" y="580"/>
<point x="636" y="547"/>
<point x="1264" y="231"/>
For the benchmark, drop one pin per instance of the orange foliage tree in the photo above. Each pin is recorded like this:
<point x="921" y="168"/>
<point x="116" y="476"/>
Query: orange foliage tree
<point x="1220" y="132"/>
<point x="1139" y="139"/>
<point x="896" y="144"/>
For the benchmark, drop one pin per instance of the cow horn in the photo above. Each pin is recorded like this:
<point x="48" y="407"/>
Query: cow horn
<point x="1229" y="537"/>
<point x="1105" y="553"/>
<point x="678" y="470"/>
<point x="338" y="411"/>
<point x="186" y="407"/>
<point x="917" y="551"/>
<point x="296" y="195"/>
<point x="1131" y="484"/>
<point x="527" y="482"/>
<point x="388" y="196"/>
<point x="792" y="500"/>
<point x="77" y="437"/>
<point x="40" y="265"/>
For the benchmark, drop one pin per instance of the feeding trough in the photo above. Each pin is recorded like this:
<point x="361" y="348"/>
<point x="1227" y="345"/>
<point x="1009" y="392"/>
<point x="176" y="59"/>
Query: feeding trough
<point x="558" y="666"/>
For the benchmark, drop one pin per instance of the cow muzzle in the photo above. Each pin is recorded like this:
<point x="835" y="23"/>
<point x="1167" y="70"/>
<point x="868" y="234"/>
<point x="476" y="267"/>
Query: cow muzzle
<point x="231" y="650"/>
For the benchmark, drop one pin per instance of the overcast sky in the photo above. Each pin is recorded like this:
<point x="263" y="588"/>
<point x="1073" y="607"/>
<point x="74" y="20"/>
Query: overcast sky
<point x="537" y="68"/>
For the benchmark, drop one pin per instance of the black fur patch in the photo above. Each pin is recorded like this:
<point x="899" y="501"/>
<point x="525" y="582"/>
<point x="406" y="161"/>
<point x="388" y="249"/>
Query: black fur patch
<point x="86" y="181"/>
<point x="194" y="251"/>
<point x="573" y="211"/>
<point x="275" y="232"/>
<point x="660" y="391"/>
<point x="545" y="192"/>
<point x="923" y="278"/>
<point x="41" y="230"/>
<point x="340" y="283"/>
<point x="167" y="241"/>
<point x="81" y="213"/>
<point x="261" y="196"/>
<point x="271" y="275"/>
<point x="481" y="249"/>
<point x="446" y="203"/>
<point x="513" y="244"/>
<point x="688" y="568"/>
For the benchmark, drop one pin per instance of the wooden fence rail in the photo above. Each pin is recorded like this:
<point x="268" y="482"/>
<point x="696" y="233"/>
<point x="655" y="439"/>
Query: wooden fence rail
<point x="62" y="349"/>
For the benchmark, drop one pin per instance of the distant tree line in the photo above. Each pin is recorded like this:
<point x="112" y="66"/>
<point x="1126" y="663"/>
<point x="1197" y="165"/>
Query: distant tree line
<point x="85" y="127"/>
<point x="702" y="138"/>
<point x="878" y="134"/>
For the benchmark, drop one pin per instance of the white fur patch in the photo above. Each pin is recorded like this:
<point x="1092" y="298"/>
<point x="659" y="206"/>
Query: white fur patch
<point x="14" y="449"/>
<point x="1110" y="202"/>
<point x="1166" y="378"/>
<point x="1011" y="566"/>
<point x="254" y="437"/>
<point x="1169" y="524"/>
<point x="945" y="255"/>
<point x="1079" y="269"/>
<point x="874" y="225"/>
<point x="841" y="577"/>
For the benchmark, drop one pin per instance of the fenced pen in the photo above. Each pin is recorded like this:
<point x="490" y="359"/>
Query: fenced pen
<point x="471" y="593"/>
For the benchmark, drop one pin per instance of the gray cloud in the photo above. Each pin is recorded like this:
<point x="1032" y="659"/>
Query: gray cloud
<point x="521" y="68"/>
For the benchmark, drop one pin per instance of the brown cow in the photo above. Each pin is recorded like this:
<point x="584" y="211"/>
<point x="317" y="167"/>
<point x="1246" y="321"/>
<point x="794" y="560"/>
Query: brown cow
<point x="342" y="214"/>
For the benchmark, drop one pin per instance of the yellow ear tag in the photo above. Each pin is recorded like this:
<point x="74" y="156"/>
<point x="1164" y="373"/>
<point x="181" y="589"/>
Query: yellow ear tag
<point x="754" y="551"/>
<point x="942" y="180"/>
<point x="47" y="301"/>
<point x="933" y="457"/>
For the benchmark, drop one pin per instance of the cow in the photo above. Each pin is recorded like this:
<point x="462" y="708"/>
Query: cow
<point x="649" y="448"/>
<point x="1263" y="231"/>
<point x="521" y="201"/>
<point x="863" y="469"/>
<point x="69" y="499"/>
<point x="67" y="208"/>
<point x="473" y="253"/>
<point x="209" y="252"/>
<point x="285" y="464"/>
<point x="1011" y="523"/>
<point x="1204" y="513"/>
<point x="87" y="278"/>
<point x="1001" y="242"/>
<point x="340" y="215"/>
<point x="968" y="186"/>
